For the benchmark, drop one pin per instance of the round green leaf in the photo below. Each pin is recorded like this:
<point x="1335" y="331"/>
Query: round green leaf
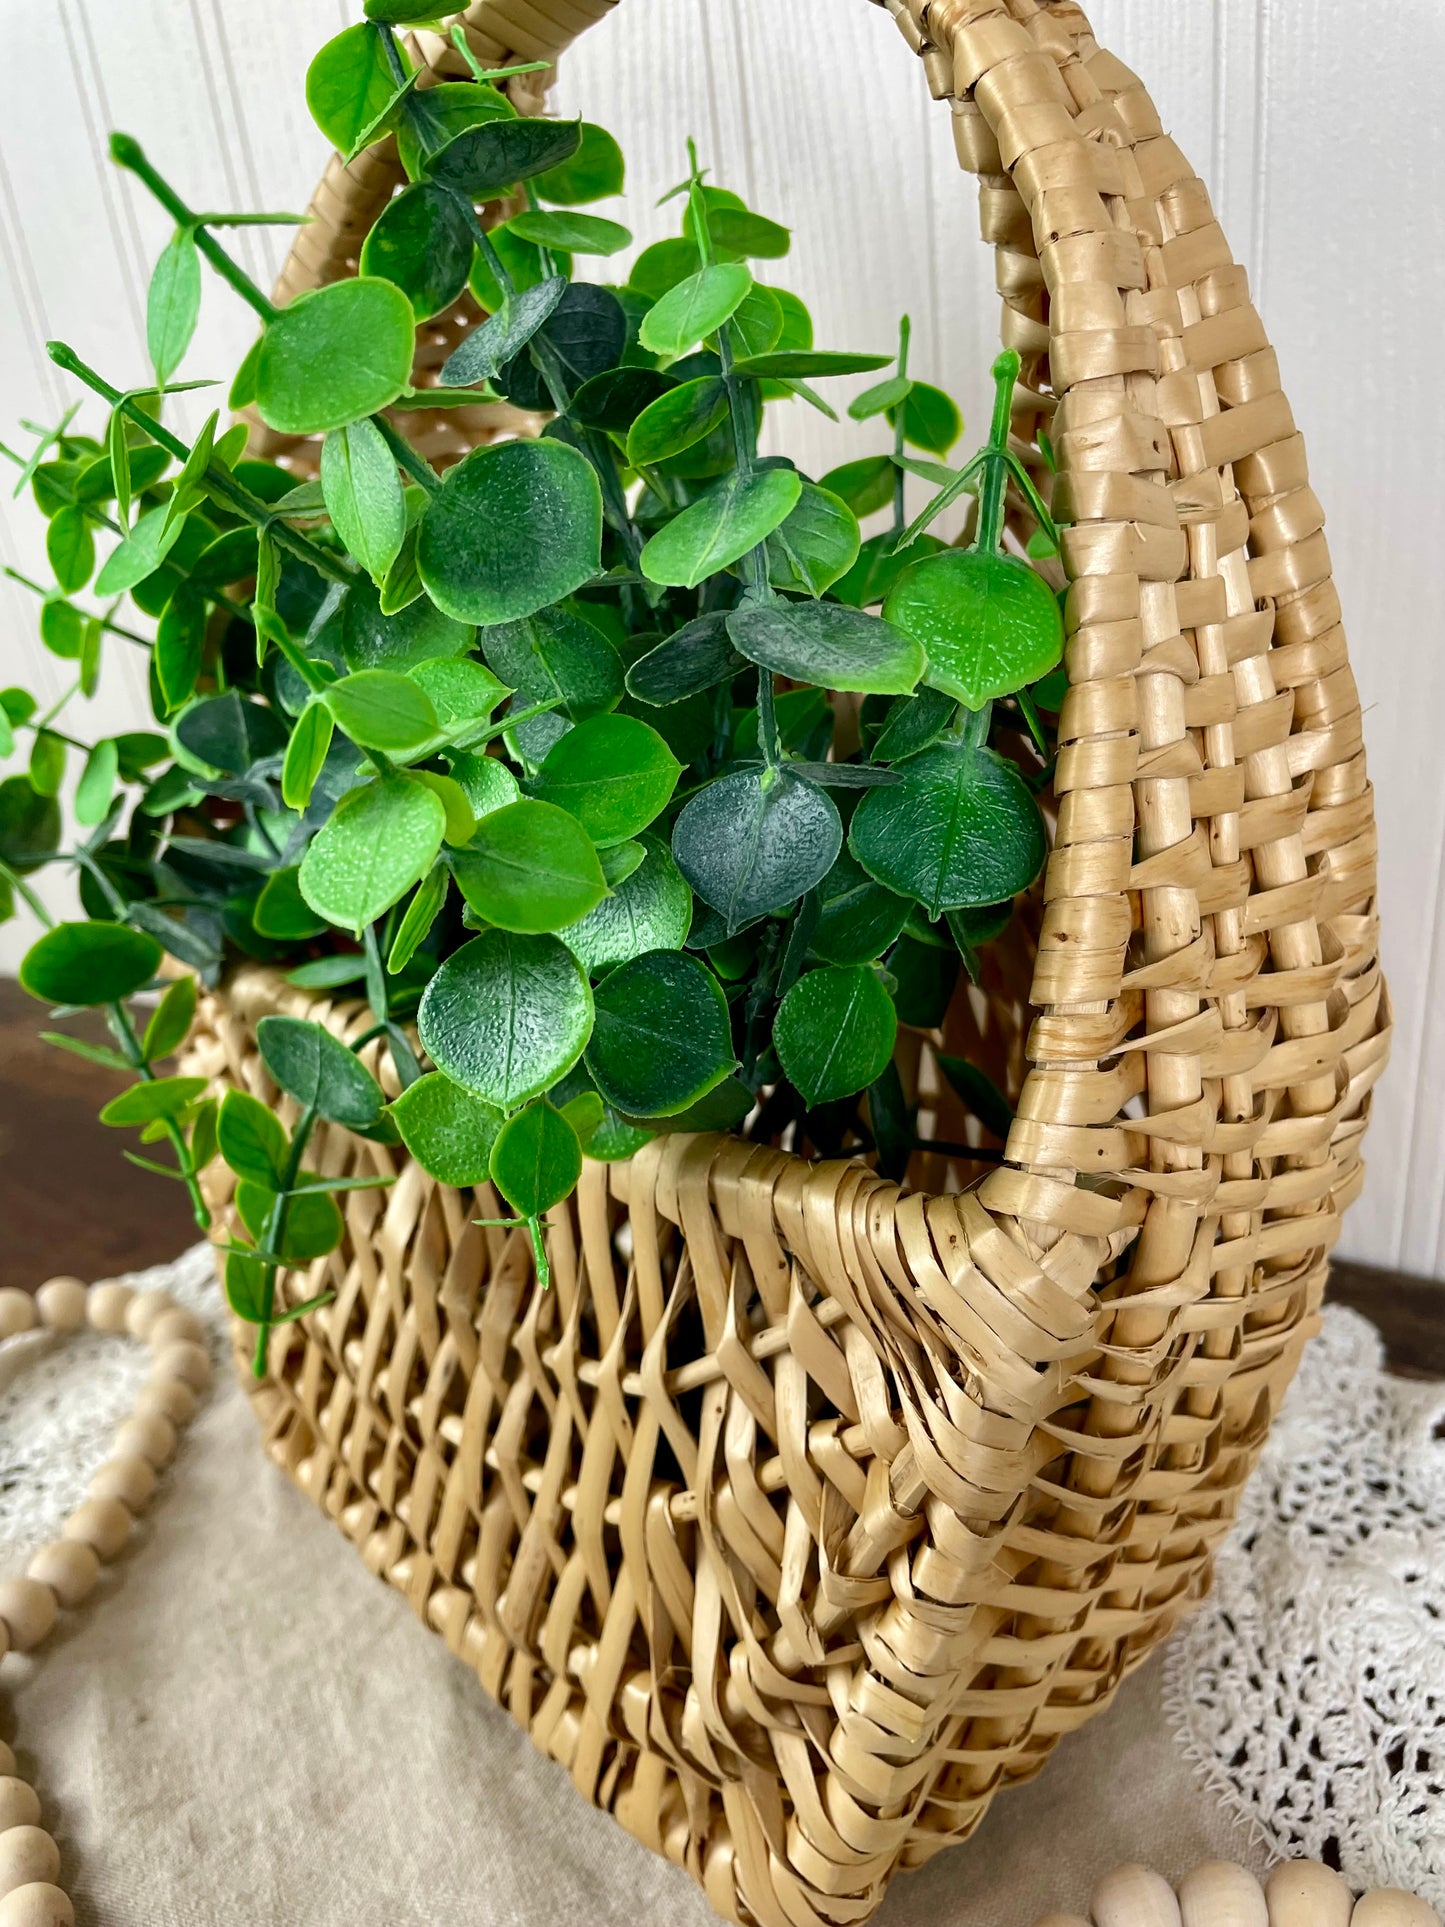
<point x="661" y="1038"/>
<point x="378" y="842"/>
<point x="423" y="243"/>
<point x="737" y="230"/>
<point x="282" y="913"/>
<point x="571" y="233"/>
<point x="62" y="627"/>
<point x="506" y="1016"/>
<point x="585" y="335"/>
<point x="694" y="658"/>
<point x="319" y="1071"/>
<point x="678" y="418"/>
<point x="29" y="824"/>
<point x="448" y="110"/>
<point x="161" y="1097"/>
<point x="756" y="325"/>
<point x="593" y="171"/>
<point x="612" y="773"/>
<point x="834" y="1032"/>
<point x="89" y="963"/>
<point x="530" y="868"/>
<point x="873" y="575"/>
<point x="960" y="828"/>
<point x="334" y="355"/>
<point x="462" y="692"/>
<point x="47" y="763"/>
<point x="735" y="515"/>
<point x="482" y="162"/>
<point x="348" y="85"/>
<point x="857" y="918"/>
<point x="514" y="526"/>
<point x="486" y="782"/>
<point x="829" y="646"/>
<point x="363" y="495"/>
<point x="503" y="335"/>
<point x="648" y="909"/>
<point x="536" y="1160"/>
<point x="988" y="623"/>
<point x="815" y="545"/>
<point x="613" y="400"/>
<point x="695" y="308"/>
<point x="448" y="1131"/>
<point x="418" y="633"/>
<point x="555" y="656"/>
<point x="930" y="418"/>
<point x="70" y="548"/>
<point x="313" y="1223"/>
<point x="756" y="841"/>
<point x="865" y="485"/>
<point x="662" y="267"/>
<point x="252" y="1140"/>
<point x="380" y="710"/>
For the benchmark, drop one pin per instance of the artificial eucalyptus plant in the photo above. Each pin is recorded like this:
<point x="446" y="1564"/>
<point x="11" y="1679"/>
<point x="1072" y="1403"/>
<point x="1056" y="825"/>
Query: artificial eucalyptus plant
<point x="613" y="765"/>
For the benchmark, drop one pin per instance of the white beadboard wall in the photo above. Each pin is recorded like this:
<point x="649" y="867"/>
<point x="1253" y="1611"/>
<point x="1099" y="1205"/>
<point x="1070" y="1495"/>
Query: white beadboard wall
<point x="1318" y="132"/>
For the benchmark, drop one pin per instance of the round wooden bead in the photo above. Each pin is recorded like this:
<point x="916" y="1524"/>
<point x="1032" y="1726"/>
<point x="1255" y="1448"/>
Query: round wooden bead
<point x="177" y="1327"/>
<point x="167" y="1398"/>
<point x="102" y="1523"/>
<point x="61" y="1304"/>
<point x="1134" y="1896"/>
<point x="1393" y="1907"/>
<point x="27" y="1854"/>
<point x="148" y="1437"/>
<point x="1304" y="1893"/>
<point x="39" y="1905"/>
<point x="1220" y="1894"/>
<point x="146" y="1309"/>
<point x="189" y="1363"/>
<point x="7" y="1762"/>
<point x="17" y="1312"/>
<point x="131" y="1480"/>
<point x="1062" y="1920"/>
<point x="106" y="1306"/>
<point x="69" y="1568"/>
<point x="19" y="1804"/>
<point x="28" y="1610"/>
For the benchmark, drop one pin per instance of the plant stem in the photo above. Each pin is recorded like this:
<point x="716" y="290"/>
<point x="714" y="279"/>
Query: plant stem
<point x="114" y="628"/>
<point x="128" y="153"/>
<point x="905" y="331"/>
<point x="993" y="489"/>
<point x="275" y="1231"/>
<point x="26" y="894"/>
<point x="124" y="1031"/>
<point x="416" y="465"/>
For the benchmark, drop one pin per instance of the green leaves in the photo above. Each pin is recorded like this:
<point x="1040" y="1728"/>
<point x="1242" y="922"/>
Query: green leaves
<point x="29" y="824"/>
<point x="555" y="656"/>
<point x="89" y="963"/>
<point x="363" y="495"/>
<point x="536" y="1160"/>
<point x="826" y="644"/>
<point x="349" y="85"/>
<point x="735" y="515"/>
<point x="381" y="710"/>
<point x="379" y="841"/>
<point x="158" y="1097"/>
<point x="756" y="841"/>
<point x="834" y="1032"/>
<point x="502" y="336"/>
<point x="804" y="364"/>
<point x="139" y="555"/>
<point x="253" y="1140"/>
<point x="173" y="302"/>
<point x="481" y="162"/>
<point x="319" y="1071"/>
<point x="506" y="1016"/>
<point x="530" y="868"/>
<point x="513" y="527"/>
<point x="422" y="242"/>
<point x="696" y="657"/>
<point x="661" y="1038"/>
<point x="70" y="549"/>
<point x="649" y="909"/>
<point x="591" y="172"/>
<point x="306" y="754"/>
<point x="171" y="1020"/>
<point x="97" y="783"/>
<point x="815" y="545"/>
<point x="612" y="773"/>
<point x="334" y="355"/>
<point x="448" y="1131"/>
<point x="678" y="418"/>
<point x="695" y="308"/>
<point x="989" y="624"/>
<point x="857" y="918"/>
<point x="960" y="828"/>
<point x="571" y="233"/>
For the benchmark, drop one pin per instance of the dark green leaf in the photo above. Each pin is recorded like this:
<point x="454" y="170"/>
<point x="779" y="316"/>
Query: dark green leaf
<point x="677" y="419"/>
<point x="418" y="633"/>
<point x="695" y="308"/>
<point x="865" y="485"/>
<point x="180" y="640"/>
<point x="697" y="657"/>
<point x="381" y="710"/>
<point x="348" y="85"/>
<point x="47" y="763"/>
<point x="506" y="1016"/>
<point x="481" y="162"/>
<point x="756" y="841"/>
<point x="424" y="126"/>
<point x="735" y="515"/>
<point x="591" y="173"/>
<point x="990" y="625"/>
<point x="723" y="1108"/>
<point x="502" y="336"/>
<point x="737" y="230"/>
<point x="530" y="868"/>
<point x="556" y="656"/>
<point x="514" y="526"/>
<point x="612" y="773"/>
<point x="282" y="912"/>
<point x="662" y="267"/>
<point x="423" y="243"/>
<point x="834" y="1032"/>
<point x="70" y="548"/>
<point x="333" y="355"/>
<point x="978" y="1090"/>
<point x="227" y="733"/>
<point x="313" y="1224"/>
<point x="363" y="495"/>
<point x="171" y="1020"/>
<point x="877" y="569"/>
<point x="649" y="908"/>
<point x="380" y="840"/>
<point x="857" y="918"/>
<point x="319" y="1071"/>
<point x="159" y="1097"/>
<point x="583" y="337"/>
<point x="29" y="825"/>
<point x="827" y="645"/>
<point x="883" y="394"/>
<point x="912" y="724"/>
<point x="536" y="1160"/>
<point x="959" y="828"/>
<point x="89" y="963"/>
<point x="252" y="1140"/>
<point x="614" y="400"/>
<point x="448" y="1131"/>
<point x="930" y="418"/>
<point x="661" y="1037"/>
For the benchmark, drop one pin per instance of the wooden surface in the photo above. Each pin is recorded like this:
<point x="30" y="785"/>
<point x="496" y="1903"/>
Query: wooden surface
<point x="1303" y="125"/>
<point x="69" y="1202"/>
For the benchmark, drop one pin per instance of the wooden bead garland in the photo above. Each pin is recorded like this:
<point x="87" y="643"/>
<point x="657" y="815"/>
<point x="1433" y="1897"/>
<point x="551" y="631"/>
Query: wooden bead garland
<point x="1297" y="1893"/>
<point x="64" y="1573"/>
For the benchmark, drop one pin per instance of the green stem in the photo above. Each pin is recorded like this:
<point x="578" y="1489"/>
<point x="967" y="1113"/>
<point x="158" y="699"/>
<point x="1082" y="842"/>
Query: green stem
<point x="416" y="465"/>
<point x="993" y="490"/>
<point x="217" y="481"/>
<point x="396" y="66"/>
<point x="128" y="153"/>
<point x="124" y="1030"/>
<point x="113" y="628"/>
<point x="905" y="331"/>
<point x="275" y="1231"/>
<point x="26" y="894"/>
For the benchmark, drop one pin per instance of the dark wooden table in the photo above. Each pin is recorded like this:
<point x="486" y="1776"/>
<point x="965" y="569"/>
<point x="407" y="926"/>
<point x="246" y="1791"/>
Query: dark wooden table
<point x="69" y="1202"/>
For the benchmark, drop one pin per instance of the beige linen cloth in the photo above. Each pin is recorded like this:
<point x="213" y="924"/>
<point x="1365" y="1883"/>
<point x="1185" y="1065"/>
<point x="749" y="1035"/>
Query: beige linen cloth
<point x="242" y="1728"/>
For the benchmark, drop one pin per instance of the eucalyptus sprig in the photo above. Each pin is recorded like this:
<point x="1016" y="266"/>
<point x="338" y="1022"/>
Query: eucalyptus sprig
<point x="630" y="784"/>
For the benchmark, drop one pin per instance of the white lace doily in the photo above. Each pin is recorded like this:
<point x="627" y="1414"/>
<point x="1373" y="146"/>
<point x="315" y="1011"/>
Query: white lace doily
<point x="1310" y="1685"/>
<point x="61" y="1400"/>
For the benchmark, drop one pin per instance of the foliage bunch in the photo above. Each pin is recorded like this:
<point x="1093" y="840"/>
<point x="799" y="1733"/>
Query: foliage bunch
<point x="615" y="758"/>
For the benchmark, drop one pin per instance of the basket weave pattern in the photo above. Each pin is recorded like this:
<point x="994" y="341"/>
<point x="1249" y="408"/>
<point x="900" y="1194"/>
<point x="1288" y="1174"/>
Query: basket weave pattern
<point x="804" y="1513"/>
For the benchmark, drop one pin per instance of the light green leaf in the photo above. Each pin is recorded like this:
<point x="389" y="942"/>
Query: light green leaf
<point x="989" y="624"/>
<point x="486" y="782"/>
<point x="381" y="710"/>
<point x="678" y="418"/>
<point x="139" y="555"/>
<point x="530" y="868"/>
<point x="421" y="913"/>
<point x="173" y="303"/>
<point x="282" y="912"/>
<point x="70" y="548"/>
<point x="571" y="233"/>
<point x="159" y="1097"/>
<point x="252" y="1140"/>
<point x="448" y="1131"/>
<point x="815" y="545"/>
<point x="348" y="85"/>
<point x="648" y="909"/>
<point x="695" y="308"/>
<point x="97" y="783"/>
<point x="834" y="1032"/>
<point x="612" y="773"/>
<point x="306" y="754"/>
<point x="592" y="172"/>
<point x="363" y="495"/>
<point x="379" y="841"/>
<point x="536" y="1160"/>
<point x="506" y="1016"/>
<point x="735" y="515"/>
<point x="171" y="1020"/>
<point x="89" y="963"/>
<point x="333" y="355"/>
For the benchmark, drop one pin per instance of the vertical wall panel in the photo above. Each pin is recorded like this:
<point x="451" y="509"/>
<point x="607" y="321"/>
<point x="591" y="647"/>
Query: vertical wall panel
<point x="1321" y="145"/>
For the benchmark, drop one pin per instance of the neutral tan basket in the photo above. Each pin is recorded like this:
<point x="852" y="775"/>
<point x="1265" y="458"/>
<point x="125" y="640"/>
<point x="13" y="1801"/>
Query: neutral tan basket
<point x="802" y="1514"/>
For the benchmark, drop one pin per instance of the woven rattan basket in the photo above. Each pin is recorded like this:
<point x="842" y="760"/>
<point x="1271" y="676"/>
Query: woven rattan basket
<point x="802" y="1514"/>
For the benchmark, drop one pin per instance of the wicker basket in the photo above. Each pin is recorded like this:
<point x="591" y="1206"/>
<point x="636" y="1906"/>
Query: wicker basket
<point x="802" y="1514"/>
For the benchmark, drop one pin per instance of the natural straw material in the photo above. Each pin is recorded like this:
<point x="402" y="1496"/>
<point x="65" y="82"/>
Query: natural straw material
<point x="802" y="1514"/>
